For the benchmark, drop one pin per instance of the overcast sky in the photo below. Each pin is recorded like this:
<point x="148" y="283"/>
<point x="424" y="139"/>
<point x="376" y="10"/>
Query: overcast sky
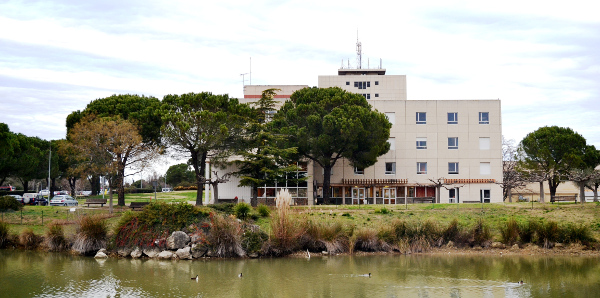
<point x="540" y="58"/>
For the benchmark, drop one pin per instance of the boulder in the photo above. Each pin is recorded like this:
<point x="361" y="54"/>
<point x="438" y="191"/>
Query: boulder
<point x="151" y="252"/>
<point x="184" y="253"/>
<point x="100" y="255"/>
<point x="497" y="245"/>
<point x="103" y="250"/>
<point x="198" y="251"/>
<point x="124" y="252"/>
<point x="136" y="253"/>
<point x="165" y="254"/>
<point x="450" y="244"/>
<point x="516" y="246"/>
<point x="253" y="255"/>
<point x="177" y="240"/>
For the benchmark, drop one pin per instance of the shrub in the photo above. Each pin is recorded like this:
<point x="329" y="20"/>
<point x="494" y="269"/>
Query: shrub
<point x="454" y="232"/>
<point x="547" y="233"/>
<point x="225" y="236"/>
<point x="509" y="233"/>
<point x="227" y="208"/>
<point x="253" y="239"/>
<point x="28" y="239"/>
<point x="577" y="233"/>
<point x="286" y="230"/>
<point x="527" y="231"/>
<point x="55" y="237"/>
<point x="91" y="235"/>
<point x="366" y="240"/>
<point x="242" y="210"/>
<point x="263" y="210"/>
<point x="383" y="211"/>
<point x="480" y="234"/>
<point x="4" y="236"/>
<point x="320" y="235"/>
<point x="9" y="203"/>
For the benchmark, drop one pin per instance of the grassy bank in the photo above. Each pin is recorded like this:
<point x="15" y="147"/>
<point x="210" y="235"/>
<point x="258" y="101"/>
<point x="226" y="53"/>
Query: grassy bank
<point x="337" y="229"/>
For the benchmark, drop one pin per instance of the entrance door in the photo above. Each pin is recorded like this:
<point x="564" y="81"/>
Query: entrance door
<point x="453" y="195"/>
<point x="389" y="195"/>
<point x="358" y="196"/>
<point x="485" y="195"/>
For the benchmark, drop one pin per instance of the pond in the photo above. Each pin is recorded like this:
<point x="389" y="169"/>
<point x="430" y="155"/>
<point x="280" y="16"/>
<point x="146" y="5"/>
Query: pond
<point x="38" y="274"/>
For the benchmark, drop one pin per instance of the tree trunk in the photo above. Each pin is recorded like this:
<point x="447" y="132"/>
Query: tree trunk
<point x="215" y="186"/>
<point x="595" y="192"/>
<point x="509" y="195"/>
<point x="72" y="183"/>
<point x="326" y="183"/>
<point x="553" y="185"/>
<point x="542" y="192"/>
<point x="110" y="201"/>
<point x="95" y="184"/>
<point x="582" y="192"/>
<point x="254" y="199"/>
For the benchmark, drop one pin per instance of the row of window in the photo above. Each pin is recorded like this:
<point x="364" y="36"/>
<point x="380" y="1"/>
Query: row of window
<point x="362" y="85"/>
<point x="484" y="117"/>
<point x="390" y="168"/>
<point x="484" y="143"/>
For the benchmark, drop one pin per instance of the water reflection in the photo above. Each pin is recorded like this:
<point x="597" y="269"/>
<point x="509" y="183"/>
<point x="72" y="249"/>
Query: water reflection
<point x="26" y="274"/>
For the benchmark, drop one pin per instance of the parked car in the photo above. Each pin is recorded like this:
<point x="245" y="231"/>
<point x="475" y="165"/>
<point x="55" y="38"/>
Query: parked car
<point x="84" y="193"/>
<point x="167" y="190"/>
<point x="63" y="200"/>
<point x="18" y="197"/>
<point x="61" y="192"/>
<point x="44" y="192"/>
<point x="40" y="200"/>
<point x="7" y="188"/>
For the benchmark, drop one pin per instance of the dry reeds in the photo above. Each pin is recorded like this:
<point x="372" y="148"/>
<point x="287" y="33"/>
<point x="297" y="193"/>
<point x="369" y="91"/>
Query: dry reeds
<point x="509" y="233"/>
<point x="225" y="236"/>
<point x="55" y="237"/>
<point x="285" y="230"/>
<point x="480" y="234"/>
<point x="28" y="239"/>
<point x="91" y="235"/>
<point x="4" y="236"/>
<point x="330" y="236"/>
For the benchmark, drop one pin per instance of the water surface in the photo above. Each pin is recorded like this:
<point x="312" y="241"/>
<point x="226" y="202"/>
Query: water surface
<point x="36" y="274"/>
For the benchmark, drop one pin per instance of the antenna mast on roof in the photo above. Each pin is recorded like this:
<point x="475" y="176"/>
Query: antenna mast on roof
<point x="358" y="52"/>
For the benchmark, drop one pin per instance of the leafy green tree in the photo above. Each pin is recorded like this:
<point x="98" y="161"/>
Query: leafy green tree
<point x="327" y="124"/>
<point x="203" y="126"/>
<point x="32" y="160"/>
<point x="140" y="111"/>
<point x="264" y="160"/>
<point x="176" y="174"/>
<point x="9" y="151"/>
<point x="553" y="151"/>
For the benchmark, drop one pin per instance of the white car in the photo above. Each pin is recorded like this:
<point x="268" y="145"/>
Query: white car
<point x="63" y="200"/>
<point x="167" y="190"/>
<point x="44" y="192"/>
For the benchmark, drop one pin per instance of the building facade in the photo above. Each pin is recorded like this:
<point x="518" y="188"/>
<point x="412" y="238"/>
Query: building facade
<point x="442" y="151"/>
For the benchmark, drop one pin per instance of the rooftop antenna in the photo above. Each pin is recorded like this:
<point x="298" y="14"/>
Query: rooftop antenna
<point x="243" y="80"/>
<point x="250" y="70"/>
<point x="358" y="52"/>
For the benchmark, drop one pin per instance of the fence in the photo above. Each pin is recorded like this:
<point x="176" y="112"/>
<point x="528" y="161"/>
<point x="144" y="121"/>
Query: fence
<point x="34" y="217"/>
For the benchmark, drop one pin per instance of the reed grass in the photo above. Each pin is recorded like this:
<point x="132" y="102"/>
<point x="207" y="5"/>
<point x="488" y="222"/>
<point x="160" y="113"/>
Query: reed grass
<point x="4" y="236"/>
<point x="509" y="233"/>
<point x="225" y="236"/>
<point x="91" y="235"/>
<point x="28" y="239"/>
<point x="55" y="239"/>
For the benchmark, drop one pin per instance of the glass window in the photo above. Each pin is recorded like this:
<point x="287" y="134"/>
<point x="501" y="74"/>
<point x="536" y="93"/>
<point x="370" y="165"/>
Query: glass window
<point x="369" y="84"/>
<point x="452" y="193"/>
<point x="453" y="118"/>
<point x="421" y="118"/>
<point x="392" y="142"/>
<point x="484" y="118"/>
<point x="390" y="168"/>
<point x="453" y="143"/>
<point x="484" y="168"/>
<point x="421" y="143"/>
<point x="484" y="143"/>
<point x="452" y="168"/>
<point x="359" y="171"/>
<point x="391" y="116"/>
<point x="376" y="94"/>
<point x="376" y="83"/>
<point x="356" y="84"/>
<point x="421" y="168"/>
<point x="347" y="83"/>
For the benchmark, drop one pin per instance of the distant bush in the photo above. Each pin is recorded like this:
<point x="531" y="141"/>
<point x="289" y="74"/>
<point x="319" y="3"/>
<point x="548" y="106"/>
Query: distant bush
<point x="9" y="203"/>
<point x="28" y="239"/>
<point x="263" y="210"/>
<point x="226" y="208"/>
<point x="383" y="211"/>
<point x="55" y="237"/>
<point x="192" y="187"/>
<point x="242" y="210"/>
<point x="509" y="232"/>
<point x="480" y="234"/>
<point x="4" y="236"/>
<point x="91" y="235"/>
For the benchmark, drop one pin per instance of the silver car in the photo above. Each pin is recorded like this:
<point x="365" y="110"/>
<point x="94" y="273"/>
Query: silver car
<point x="63" y="200"/>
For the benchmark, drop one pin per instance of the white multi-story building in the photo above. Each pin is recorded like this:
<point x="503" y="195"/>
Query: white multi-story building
<point x="444" y="151"/>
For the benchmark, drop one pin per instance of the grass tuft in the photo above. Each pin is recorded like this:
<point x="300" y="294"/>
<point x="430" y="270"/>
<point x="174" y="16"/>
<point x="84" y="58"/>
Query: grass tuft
<point x="91" y="235"/>
<point x="242" y="210"/>
<point x="55" y="237"/>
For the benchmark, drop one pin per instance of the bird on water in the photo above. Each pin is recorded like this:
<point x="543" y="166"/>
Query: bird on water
<point x="240" y="275"/>
<point x="195" y="278"/>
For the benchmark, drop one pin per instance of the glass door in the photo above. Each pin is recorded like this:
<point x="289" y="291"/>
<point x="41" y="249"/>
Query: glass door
<point x="358" y="196"/>
<point x="389" y="195"/>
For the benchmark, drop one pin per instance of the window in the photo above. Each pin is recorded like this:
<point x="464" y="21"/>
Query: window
<point x="421" y="168"/>
<point x="376" y="83"/>
<point x="391" y="116"/>
<point x="359" y="171"/>
<point x="392" y="142"/>
<point x="486" y="194"/>
<point x="347" y="83"/>
<point x="453" y="118"/>
<point x="367" y="96"/>
<point x="421" y="143"/>
<point x="452" y="195"/>
<point x="484" y="168"/>
<point x="368" y="84"/>
<point x="356" y="84"/>
<point x="453" y="143"/>
<point x="484" y="143"/>
<point x="376" y="94"/>
<point x="452" y="168"/>
<point x="362" y="85"/>
<point x="421" y="118"/>
<point x="390" y="168"/>
<point x="484" y="118"/>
